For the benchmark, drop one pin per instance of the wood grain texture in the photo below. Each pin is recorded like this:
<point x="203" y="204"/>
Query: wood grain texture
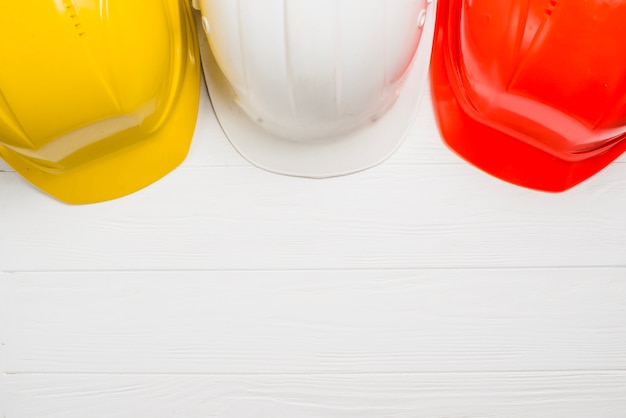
<point x="430" y="216"/>
<point x="472" y="395"/>
<point x="315" y="322"/>
<point x="420" y="288"/>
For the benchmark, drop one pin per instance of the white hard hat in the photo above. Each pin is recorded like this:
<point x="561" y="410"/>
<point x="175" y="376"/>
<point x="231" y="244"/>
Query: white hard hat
<point x="316" y="88"/>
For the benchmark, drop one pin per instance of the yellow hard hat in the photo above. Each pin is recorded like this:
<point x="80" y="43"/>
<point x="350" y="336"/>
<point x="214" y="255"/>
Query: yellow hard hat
<point x="98" y="99"/>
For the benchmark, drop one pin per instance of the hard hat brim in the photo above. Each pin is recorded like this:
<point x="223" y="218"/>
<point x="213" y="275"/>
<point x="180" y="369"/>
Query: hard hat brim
<point x="133" y="167"/>
<point x="491" y="150"/>
<point x="332" y="156"/>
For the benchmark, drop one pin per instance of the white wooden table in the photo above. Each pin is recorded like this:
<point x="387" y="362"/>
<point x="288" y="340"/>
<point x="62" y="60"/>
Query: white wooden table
<point x="419" y="288"/>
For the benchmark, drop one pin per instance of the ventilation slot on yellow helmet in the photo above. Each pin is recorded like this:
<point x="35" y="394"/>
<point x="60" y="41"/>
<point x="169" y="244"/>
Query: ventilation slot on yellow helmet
<point x="71" y="10"/>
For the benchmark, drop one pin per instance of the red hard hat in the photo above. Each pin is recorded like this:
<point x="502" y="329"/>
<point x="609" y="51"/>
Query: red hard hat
<point x="532" y="91"/>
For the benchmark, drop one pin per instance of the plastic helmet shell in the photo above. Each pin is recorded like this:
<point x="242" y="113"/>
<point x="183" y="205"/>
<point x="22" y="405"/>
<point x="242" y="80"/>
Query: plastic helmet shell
<point x="316" y="88"/>
<point x="97" y="98"/>
<point x="532" y="91"/>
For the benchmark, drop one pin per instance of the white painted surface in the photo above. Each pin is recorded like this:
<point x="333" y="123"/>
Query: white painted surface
<point x="420" y="288"/>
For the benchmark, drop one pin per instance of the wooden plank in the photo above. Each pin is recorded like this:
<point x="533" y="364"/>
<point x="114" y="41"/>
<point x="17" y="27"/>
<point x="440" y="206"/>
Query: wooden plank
<point x="315" y="322"/>
<point x="4" y="324"/>
<point x="511" y="395"/>
<point x="431" y="216"/>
